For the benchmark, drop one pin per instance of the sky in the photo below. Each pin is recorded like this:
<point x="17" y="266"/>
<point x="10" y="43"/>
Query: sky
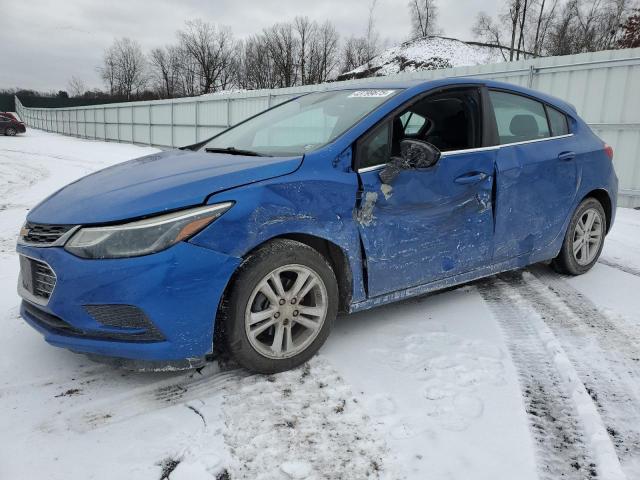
<point x="45" y="42"/>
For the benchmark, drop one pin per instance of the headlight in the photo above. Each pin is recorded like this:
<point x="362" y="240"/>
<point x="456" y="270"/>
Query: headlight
<point x="143" y="237"/>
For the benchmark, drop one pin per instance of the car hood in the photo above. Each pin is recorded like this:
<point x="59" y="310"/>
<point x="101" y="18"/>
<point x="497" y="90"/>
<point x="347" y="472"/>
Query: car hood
<point x="155" y="183"/>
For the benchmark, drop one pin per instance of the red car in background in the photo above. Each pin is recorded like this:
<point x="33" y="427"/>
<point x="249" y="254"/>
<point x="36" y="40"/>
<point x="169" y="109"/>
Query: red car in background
<point x="10" y="125"/>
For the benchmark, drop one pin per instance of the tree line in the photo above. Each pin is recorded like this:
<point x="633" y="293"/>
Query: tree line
<point x="526" y="28"/>
<point x="206" y="58"/>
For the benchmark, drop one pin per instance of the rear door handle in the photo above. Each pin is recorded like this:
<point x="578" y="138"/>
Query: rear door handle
<point x="471" y="177"/>
<point x="566" y="156"/>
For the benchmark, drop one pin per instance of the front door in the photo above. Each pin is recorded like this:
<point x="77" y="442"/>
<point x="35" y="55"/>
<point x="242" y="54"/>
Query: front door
<point x="429" y="223"/>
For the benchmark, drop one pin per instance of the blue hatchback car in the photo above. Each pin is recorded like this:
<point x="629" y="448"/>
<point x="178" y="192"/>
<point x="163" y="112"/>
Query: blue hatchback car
<point x="337" y="201"/>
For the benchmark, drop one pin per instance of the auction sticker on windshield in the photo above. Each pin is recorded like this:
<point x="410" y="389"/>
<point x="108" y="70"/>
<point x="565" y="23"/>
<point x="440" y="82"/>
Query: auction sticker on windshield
<point x="371" y="93"/>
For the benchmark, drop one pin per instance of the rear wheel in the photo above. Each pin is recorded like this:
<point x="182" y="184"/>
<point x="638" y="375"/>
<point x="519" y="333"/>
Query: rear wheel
<point x="10" y="132"/>
<point x="584" y="239"/>
<point x="281" y="307"/>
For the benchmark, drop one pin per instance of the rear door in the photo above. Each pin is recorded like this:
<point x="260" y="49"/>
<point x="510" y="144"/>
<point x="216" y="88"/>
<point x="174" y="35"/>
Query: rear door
<point x="429" y="223"/>
<point x="536" y="174"/>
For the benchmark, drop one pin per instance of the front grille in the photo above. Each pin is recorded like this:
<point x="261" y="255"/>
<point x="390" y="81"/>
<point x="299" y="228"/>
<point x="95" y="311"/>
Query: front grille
<point x="37" y="277"/>
<point x="43" y="234"/>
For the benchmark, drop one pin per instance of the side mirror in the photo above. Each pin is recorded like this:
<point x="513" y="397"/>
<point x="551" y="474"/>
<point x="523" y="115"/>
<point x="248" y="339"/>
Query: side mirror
<point x="413" y="154"/>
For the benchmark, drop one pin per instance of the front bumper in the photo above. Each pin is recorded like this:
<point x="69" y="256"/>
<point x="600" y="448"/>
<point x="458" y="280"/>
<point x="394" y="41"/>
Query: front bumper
<point x="178" y="290"/>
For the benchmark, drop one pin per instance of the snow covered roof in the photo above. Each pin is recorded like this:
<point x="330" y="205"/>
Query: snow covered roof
<point x="426" y="53"/>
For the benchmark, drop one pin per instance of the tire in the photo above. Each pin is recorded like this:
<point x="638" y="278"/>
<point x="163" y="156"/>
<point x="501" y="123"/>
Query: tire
<point x="253" y="295"/>
<point x="572" y="262"/>
<point x="10" y="132"/>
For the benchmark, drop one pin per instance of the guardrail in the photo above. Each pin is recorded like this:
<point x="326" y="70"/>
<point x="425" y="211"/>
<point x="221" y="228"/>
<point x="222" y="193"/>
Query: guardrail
<point x="604" y="87"/>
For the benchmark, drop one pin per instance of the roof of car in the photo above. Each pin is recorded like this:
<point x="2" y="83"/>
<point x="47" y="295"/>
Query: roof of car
<point x="424" y="85"/>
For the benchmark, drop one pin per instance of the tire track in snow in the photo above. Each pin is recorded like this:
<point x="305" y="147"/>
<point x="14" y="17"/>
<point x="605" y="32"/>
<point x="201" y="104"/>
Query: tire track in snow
<point x="17" y="175"/>
<point x="304" y="423"/>
<point x="624" y="268"/>
<point x="571" y="441"/>
<point x="605" y="353"/>
<point x="621" y="336"/>
<point x="89" y="414"/>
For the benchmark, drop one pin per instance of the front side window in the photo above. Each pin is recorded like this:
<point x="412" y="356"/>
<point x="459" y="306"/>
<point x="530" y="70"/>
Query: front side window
<point x="375" y="148"/>
<point x="519" y="118"/>
<point x="302" y="125"/>
<point x="450" y="120"/>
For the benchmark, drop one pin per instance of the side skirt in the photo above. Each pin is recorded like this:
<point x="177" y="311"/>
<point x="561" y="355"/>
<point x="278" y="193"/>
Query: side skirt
<point x="494" y="269"/>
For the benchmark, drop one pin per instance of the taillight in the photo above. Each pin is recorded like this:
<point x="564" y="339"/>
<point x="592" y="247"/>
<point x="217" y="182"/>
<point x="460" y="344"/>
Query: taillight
<point x="608" y="149"/>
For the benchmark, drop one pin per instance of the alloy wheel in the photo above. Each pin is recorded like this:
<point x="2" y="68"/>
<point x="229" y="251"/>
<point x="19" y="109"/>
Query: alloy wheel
<point x="286" y="311"/>
<point x="587" y="236"/>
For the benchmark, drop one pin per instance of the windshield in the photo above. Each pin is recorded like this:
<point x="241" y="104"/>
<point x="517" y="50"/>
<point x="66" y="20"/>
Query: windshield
<point x="303" y="124"/>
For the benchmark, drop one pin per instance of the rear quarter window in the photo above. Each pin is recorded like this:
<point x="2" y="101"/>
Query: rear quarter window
<point x="558" y="121"/>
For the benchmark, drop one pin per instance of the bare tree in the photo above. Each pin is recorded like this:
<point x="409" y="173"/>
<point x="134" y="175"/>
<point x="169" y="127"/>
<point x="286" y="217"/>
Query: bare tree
<point x="124" y="68"/>
<point x="372" y="36"/>
<point x="523" y="19"/>
<point x="301" y="52"/>
<point x="486" y="30"/>
<point x="76" y="87"/>
<point x="514" y="13"/>
<point x="306" y="30"/>
<point x="165" y="65"/>
<point x="255" y="67"/>
<point x="317" y="50"/>
<point x="424" y="17"/>
<point x="189" y="74"/>
<point x="328" y="42"/>
<point x="354" y="53"/>
<point x="587" y="26"/>
<point x="108" y="70"/>
<point x="211" y="49"/>
<point x="283" y="47"/>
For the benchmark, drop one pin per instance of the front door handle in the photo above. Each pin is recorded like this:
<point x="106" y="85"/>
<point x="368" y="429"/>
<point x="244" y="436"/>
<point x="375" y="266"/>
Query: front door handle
<point x="471" y="177"/>
<point x="566" y="156"/>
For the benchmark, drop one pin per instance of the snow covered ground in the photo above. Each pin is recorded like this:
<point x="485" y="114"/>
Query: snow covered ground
<point x="527" y="375"/>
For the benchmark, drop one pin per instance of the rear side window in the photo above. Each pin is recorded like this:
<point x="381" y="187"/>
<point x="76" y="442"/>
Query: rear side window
<point x="519" y="118"/>
<point x="558" y="121"/>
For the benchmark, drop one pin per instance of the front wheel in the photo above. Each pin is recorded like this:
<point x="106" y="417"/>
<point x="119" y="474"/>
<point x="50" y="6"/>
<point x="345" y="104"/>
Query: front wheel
<point x="10" y="132"/>
<point x="584" y="239"/>
<point x="281" y="307"/>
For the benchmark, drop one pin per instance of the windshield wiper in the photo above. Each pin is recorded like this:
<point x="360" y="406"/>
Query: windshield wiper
<point x="235" y="151"/>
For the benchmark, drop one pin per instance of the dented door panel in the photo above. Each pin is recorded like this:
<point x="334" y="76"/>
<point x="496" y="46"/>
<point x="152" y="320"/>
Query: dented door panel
<point x="429" y="224"/>
<point x="535" y="193"/>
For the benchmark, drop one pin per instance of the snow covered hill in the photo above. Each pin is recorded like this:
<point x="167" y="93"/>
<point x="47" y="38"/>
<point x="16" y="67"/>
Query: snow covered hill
<point x="426" y="53"/>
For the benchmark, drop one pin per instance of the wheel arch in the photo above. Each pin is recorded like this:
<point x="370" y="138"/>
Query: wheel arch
<point x="603" y="197"/>
<point x="337" y="258"/>
<point x="333" y="253"/>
